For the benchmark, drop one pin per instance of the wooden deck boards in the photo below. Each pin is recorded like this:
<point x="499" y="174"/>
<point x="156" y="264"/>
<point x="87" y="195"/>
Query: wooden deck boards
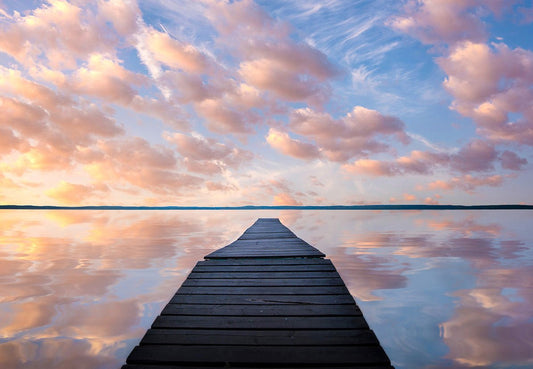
<point x="268" y="299"/>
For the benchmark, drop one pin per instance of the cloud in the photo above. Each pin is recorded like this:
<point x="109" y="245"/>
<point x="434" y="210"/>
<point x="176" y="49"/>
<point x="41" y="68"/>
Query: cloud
<point x="512" y="161"/>
<point x="187" y="87"/>
<point x="270" y="58"/>
<point x="75" y="194"/>
<point x="207" y="155"/>
<point x="56" y="34"/>
<point x="136" y="162"/>
<point x="489" y="83"/>
<point x="123" y="14"/>
<point x="475" y="156"/>
<point x="173" y="53"/>
<point x="198" y="148"/>
<point x="447" y="21"/>
<point x="169" y="113"/>
<point x="216" y="186"/>
<point x="287" y="199"/>
<point x="355" y="134"/>
<point x="273" y="76"/>
<point x="247" y="18"/>
<point x="431" y="200"/>
<point x="105" y="78"/>
<point x="223" y="118"/>
<point x="467" y="182"/>
<point x="55" y="121"/>
<point x="419" y="162"/>
<point x="8" y="140"/>
<point x="282" y="142"/>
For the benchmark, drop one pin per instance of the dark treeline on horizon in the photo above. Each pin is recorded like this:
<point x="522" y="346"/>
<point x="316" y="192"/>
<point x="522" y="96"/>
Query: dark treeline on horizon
<point x="287" y="207"/>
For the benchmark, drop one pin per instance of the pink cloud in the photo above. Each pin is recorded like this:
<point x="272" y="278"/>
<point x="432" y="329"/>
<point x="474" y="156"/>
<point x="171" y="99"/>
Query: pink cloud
<point x="75" y="194"/>
<point x="105" y="78"/>
<point x="50" y="117"/>
<point x="477" y="155"/>
<point x="136" y="150"/>
<point x="168" y="112"/>
<point x="216" y="186"/>
<point x="447" y="21"/>
<point x="355" y="134"/>
<point x="247" y="18"/>
<point x="272" y="76"/>
<point x="135" y="162"/>
<point x="370" y="167"/>
<point x="202" y="166"/>
<point x="270" y="58"/>
<point x="199" y="148"/>
<point x="207" y="155"/>
<point x="431" y="201"/>
<point x="6" y="186"/>
<point x="467" y="182"/>
<point x="8" y="141"/>
<point x="123" y="14"/>
<point x="512" y="161"/>
<point x="192" y="87"/>
<point x="57" y="33"/>
<point x="418" y="162"/>
<point x="488" y="84"/>
<point x="43" y="157"/>
<point x="282" y="142"/>
<point x="284" y="198"/>
<point x="174" y="53"/>
<point x="279" y="189"/>
<point x="296" y="57"/>
<point x="222" y="118"/>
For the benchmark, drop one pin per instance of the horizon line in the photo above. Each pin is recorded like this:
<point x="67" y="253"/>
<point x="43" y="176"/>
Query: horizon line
<point x="278" y="207"/>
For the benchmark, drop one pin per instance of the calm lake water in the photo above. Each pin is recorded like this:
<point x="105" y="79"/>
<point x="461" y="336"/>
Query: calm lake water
<point x="441" y="289"/>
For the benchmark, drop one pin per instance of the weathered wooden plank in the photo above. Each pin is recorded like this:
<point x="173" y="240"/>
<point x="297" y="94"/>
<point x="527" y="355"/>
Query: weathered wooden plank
<point x="267" y="235"/>
<point x="263" y="268"/>
<point x="262" y="290"/>
<point x="266" y="254"/>
<point x="273" y="275"/>
<point x="235" y="355"/>
<point x="257" y="282"/>
<point x="263" y="299"/>
<point x="281" y="231"/>
<point x="266" y="261"/>
<point x="262" y="310"/>
<point x="242" y="337"/>
<point x="269" y="252"/>
<point x="262" y="322"/>
<point x="281" y="242"/>
<point x="156" y="366"/>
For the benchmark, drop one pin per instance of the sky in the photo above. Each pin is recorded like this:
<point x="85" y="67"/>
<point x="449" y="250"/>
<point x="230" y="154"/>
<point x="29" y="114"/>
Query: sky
<point x="267" y="102"/>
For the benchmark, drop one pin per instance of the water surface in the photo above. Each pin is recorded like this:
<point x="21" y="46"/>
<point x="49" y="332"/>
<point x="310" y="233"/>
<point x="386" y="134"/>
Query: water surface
<point x="442" y="289"/>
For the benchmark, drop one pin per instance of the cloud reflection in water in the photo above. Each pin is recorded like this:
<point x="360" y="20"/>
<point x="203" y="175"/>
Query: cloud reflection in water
<point x="448" y="289"/>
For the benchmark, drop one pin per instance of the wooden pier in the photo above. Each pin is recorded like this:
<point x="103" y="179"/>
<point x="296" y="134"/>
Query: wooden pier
<point x="267" y="300"/>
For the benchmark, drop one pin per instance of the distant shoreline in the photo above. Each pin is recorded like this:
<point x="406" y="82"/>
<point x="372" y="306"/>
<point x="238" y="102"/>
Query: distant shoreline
<point x="260" y="207"/>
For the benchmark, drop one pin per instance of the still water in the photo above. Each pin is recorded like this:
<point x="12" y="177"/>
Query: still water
<point x="441" y="289"/>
